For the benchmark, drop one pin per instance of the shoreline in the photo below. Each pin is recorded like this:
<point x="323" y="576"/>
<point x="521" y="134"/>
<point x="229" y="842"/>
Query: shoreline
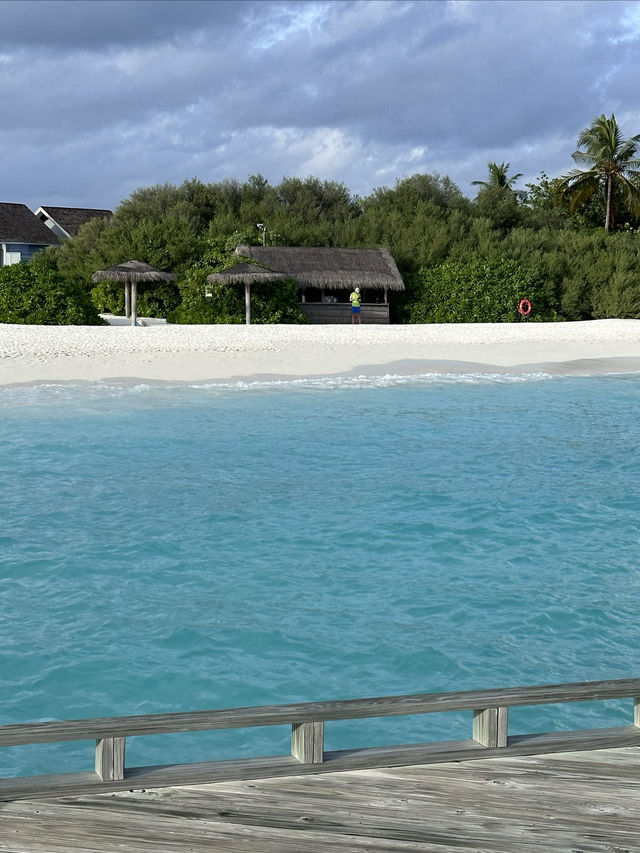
<point x="165" y="354"/>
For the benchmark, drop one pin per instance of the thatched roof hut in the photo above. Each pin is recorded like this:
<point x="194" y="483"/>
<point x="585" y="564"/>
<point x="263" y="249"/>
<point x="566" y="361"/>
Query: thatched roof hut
<point x="132" y="273"/>
<point x="329" y="268"/>
<point x="319" y="269"/>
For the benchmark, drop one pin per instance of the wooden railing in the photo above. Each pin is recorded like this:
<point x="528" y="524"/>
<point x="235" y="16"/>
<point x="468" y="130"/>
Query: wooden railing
<point x="490" y="737"/>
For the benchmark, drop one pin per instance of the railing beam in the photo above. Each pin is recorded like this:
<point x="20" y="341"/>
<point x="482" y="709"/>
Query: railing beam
<point x="307" y="742"/>
<point x="110" y="758"/>
<point x="490" y="726"/>
<point x="57" y="731"/>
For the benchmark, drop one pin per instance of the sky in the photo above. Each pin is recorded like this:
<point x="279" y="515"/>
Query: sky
<point x="105" y="96"/>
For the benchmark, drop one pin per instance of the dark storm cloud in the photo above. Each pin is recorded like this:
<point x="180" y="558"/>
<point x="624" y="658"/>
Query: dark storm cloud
<point x="69" y="24"/>
<point x="107" y="96"/>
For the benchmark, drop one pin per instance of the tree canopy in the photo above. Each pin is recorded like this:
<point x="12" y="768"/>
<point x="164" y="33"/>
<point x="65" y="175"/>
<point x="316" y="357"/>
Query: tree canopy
<point x="499" y="178"/>
<point x="612" y="167"/>
<point x="36" y="293"/>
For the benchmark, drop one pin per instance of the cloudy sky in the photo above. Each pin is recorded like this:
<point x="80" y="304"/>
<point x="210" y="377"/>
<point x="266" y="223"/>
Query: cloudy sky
<point x="104" y="96"/>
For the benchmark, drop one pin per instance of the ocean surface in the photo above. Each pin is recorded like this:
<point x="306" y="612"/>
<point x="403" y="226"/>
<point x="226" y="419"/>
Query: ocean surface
<point x="182" y="548"/>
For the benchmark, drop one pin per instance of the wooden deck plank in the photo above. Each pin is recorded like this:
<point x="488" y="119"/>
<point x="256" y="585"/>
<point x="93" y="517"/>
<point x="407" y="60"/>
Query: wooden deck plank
<point x="580" y="801"/>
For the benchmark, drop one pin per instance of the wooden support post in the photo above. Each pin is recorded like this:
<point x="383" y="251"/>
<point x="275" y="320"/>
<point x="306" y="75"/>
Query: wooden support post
<point x="490" y="726"/>
<point x="110" y="758"/>
<point x="134" y="303"/>
<point x="636" y="711"/>
<point x="127" y="299"/>
<point x="247" y="304"/>
<point x="307" y="742"/>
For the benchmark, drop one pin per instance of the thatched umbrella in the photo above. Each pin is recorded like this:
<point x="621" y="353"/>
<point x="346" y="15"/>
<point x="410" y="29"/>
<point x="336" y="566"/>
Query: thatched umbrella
<point x="132" y="273"/>
<point x="246" y="274"/>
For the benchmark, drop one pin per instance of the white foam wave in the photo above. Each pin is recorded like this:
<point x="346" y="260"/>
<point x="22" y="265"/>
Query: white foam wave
<point x="17" y="395"/>
<point x="388" y="380"/>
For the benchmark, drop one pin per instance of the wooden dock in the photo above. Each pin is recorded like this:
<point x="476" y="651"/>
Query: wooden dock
<point x="572" y="791"/>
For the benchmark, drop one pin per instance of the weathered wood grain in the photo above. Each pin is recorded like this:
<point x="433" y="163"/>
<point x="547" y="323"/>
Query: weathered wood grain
<point x="307" y="742"/>
<point x="272" y="715"/>
<point x="490" y="726"/>
<point x="490" y="734"/>
<point x="110" y="758"/>
<point x="358" y="759"/>
<point x="568" y="802"/>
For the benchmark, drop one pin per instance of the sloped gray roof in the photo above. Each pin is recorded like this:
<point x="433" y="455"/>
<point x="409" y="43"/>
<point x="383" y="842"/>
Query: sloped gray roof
<point x="329" y="268"/>
<point x="70" y="219"/>
<point x="18" y="224"/>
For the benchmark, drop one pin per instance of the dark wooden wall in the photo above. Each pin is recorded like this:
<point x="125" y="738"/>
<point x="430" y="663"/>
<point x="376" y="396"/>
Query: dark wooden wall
<point x="319" y="313"/>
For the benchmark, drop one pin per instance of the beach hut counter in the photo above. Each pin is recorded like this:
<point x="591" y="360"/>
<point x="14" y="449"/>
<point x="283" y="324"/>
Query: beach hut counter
<point x="325" y="278"/>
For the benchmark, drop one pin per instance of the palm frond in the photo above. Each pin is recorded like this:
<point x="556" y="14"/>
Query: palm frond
<point x="584" y="157"/>
<point x="627" y="150"/>
<point x="631" y="189"/>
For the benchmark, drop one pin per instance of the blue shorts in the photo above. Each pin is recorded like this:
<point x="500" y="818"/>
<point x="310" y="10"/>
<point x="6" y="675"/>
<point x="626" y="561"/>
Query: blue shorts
<point x="355" y="309"/>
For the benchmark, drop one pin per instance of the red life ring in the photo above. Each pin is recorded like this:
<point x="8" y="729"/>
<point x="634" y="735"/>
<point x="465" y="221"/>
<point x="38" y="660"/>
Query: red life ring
<point x="525" y="307"/>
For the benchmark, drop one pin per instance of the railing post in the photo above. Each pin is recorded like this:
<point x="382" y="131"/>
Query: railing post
<point x="307" y="742"/>
<point x="490" y="726"/>
<point x="110" y="758"/>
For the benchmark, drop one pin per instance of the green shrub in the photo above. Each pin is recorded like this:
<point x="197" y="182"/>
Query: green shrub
<point x="272" y="302"/>
<point x="35" y="294"/>
<point x="154" y="299"/>
<point x="276" y="302"/>
<point x="477" y="292"/>
<point x="207" y="303"/>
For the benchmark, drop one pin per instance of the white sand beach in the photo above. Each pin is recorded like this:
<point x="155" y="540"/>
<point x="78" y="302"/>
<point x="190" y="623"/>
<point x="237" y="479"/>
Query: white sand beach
<point x="157" y="353"/>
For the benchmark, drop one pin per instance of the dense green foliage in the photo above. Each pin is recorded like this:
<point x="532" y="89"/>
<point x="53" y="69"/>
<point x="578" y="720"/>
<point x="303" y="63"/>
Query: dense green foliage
<point x="36" y="293"/>
<point x="478" y="292"/>
<point x="461" y="259"/>
<point x="273" y="302"/>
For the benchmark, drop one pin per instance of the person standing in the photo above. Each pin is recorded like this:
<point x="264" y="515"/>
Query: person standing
<point x="354" y="299"/>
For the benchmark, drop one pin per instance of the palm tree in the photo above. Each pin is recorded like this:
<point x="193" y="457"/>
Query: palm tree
<point x="611" y="162"/>
<point x="498" y="178"/>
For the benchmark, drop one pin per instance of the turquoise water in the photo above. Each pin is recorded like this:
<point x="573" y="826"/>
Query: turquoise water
<point x="178" y="548"/>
